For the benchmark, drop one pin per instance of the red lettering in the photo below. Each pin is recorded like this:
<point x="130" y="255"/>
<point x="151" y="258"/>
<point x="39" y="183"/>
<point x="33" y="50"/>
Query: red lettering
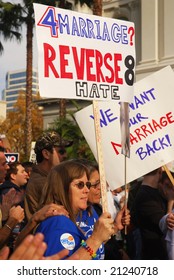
<point x="138" y="133"/>
<point x="49" y="56"/>
<point x="169" y="116"/>
<point x="132" y="139"/>
<point x="145" y="130"/>
<point x="99" y="63"/>
<point x="89" y="65"/>
<point x="64" y="50"/>
<point x="156" y="125"/>
<point x="117" y="57"/>
<point x="150" y="128"/>
<point x="163" y="121"/>
<point x="107" y="57"/>
<point x="114" y="145"/>
<point x="79" y="63"/>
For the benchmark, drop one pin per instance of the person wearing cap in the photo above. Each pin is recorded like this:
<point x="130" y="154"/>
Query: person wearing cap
<point x="47" y="156"/>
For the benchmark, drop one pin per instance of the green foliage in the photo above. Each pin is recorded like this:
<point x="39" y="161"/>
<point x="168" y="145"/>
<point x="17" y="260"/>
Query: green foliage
<point x="10" y="25"/>
<point x="69" y="130"/>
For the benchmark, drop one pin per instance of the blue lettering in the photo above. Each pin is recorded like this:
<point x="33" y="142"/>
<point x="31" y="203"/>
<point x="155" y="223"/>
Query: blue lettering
<point x="154" y="144"/>
<point x="135" y="120"/>
<point x="63" y="23"/>
<point x="105" y="33"/>
<point x="82" y="25"/>
<point x="105" y="117"/>
<point x="142" y="99"/>
<point x="109" y="116"/>
<point x="90" y="26"/>
<point x="157" y="145"/>
<point x="116" y="33"/>
<point x="75" y="30"/>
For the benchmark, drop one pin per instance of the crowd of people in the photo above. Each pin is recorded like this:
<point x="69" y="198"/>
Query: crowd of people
<point x="53" y="210"/>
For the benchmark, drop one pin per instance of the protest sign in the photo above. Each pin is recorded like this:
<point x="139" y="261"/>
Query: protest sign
<point x="12" y="157"/>
<point x="83" y="56"/>
<point x="151" y="129"/>
<point x="32" y="152"/>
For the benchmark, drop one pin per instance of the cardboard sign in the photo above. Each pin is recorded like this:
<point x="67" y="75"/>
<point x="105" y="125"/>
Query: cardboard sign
<point x="83" y="56"/>
<point x="32" y="152"/>
<point x="151" y="129"/>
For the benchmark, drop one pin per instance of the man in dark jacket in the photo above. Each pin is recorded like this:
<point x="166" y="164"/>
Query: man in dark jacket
<point x="149" y="208"/>
<point x="16" y="178"/>
<point x="47" y="149"/>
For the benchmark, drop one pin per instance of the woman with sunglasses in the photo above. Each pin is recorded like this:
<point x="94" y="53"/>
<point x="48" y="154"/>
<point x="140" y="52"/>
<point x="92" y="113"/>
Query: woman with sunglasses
<point x="112" y="247"/>
<point x="68" y="185"/>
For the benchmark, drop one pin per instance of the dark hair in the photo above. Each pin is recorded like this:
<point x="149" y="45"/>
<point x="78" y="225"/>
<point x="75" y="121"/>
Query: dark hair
<point x="165" y="176"/>
<point x="90" y="165"/>
<point x="12" y="169"/>
<point x="2" y="149"/>
<point x="39" y="154"/>
<point x="26" y="164"/>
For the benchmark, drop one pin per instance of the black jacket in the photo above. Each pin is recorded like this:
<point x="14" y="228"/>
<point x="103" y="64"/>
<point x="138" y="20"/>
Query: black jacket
<point x="6" y="186"/>
<point x="149" y="208"/>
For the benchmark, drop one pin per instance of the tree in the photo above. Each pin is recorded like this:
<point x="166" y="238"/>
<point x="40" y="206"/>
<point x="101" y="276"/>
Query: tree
<point x="69" y="130"/>
<point x="10" y="26"/>
<point x="14" y="125"/>
<point x="24" y="14"/>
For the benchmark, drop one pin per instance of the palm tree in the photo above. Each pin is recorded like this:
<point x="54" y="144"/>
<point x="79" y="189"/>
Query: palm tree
<point x="9" y="22"/>
<point x="23" y="14"/>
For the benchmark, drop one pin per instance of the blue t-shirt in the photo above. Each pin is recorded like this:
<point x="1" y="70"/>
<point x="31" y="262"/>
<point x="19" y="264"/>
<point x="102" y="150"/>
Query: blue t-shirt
<point x="61" y="233"/>
<point x="86" y="222"/>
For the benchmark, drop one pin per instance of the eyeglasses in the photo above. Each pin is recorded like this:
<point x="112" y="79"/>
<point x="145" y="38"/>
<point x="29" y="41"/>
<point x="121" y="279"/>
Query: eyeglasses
<point x="95" y="185"/>
<point x="81" y="185"/>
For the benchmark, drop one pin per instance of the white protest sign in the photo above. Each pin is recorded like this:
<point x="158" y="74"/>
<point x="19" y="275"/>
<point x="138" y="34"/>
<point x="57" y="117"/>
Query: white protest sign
<point x="82" y="56"/>
<point x="151" y="129"/>
<point x="32" y="152"/>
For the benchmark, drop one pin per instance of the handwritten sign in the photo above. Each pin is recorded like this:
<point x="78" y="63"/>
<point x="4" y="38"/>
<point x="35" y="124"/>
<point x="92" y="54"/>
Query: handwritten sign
<point x="151" y="129"/>
<point x="83" y="56"/>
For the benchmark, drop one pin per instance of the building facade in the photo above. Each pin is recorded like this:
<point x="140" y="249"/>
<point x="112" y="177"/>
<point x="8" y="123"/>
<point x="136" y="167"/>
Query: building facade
<point x="16" y="82"/>
<point x="154" y="25"/>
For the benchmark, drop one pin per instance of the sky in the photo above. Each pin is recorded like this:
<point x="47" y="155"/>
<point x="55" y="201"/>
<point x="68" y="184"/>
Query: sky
<point x="14" y="55"/>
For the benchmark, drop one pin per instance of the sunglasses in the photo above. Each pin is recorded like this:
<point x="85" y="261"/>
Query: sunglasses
<point x="95" y="185"/>
<point x="61" y="151"/>
<point x="81" y="185"/>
